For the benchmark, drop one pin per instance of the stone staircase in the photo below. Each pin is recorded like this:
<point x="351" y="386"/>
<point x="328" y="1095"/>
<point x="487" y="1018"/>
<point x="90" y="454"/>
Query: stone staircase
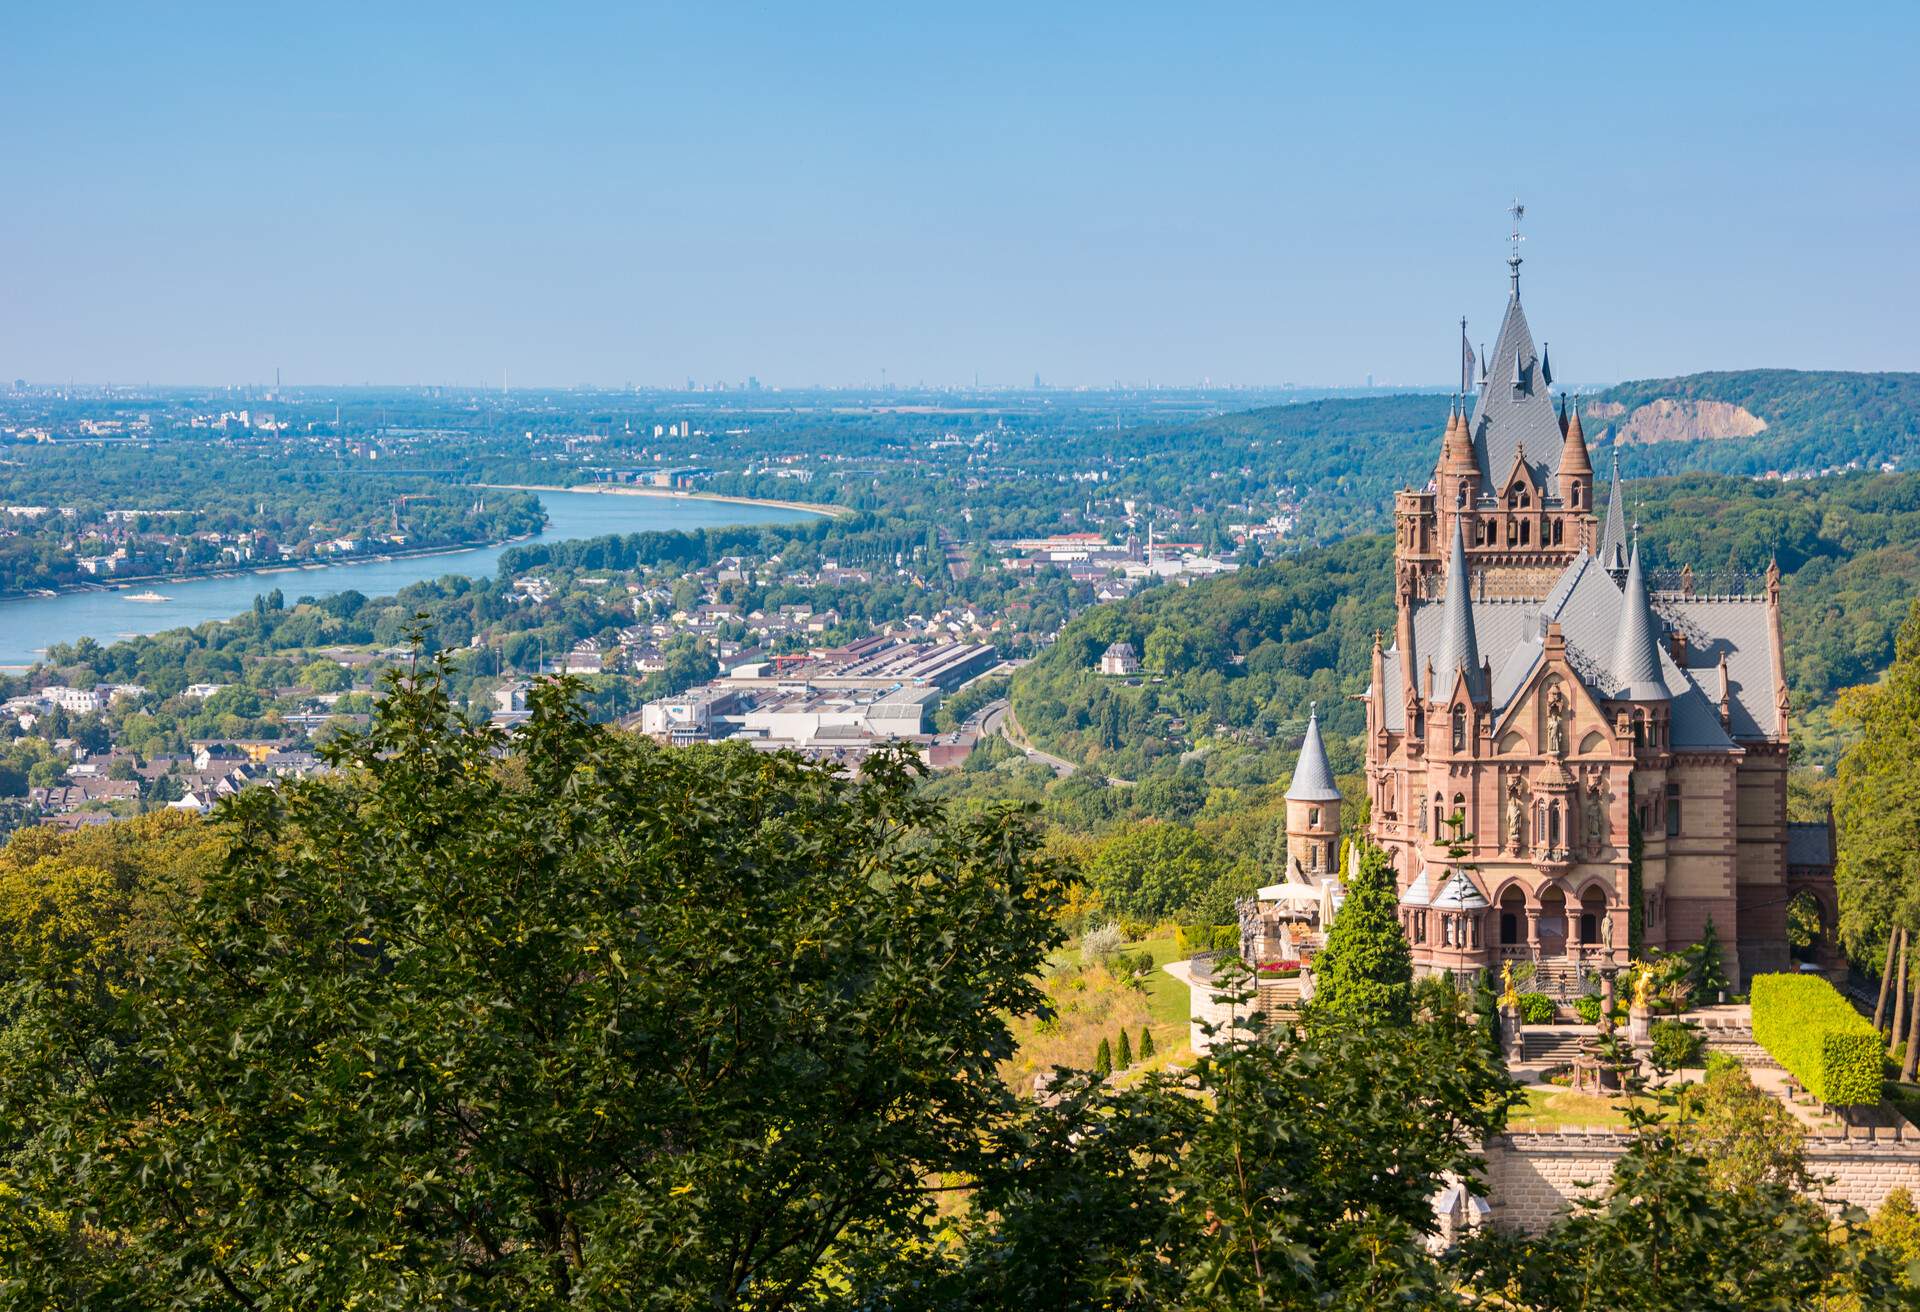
<point x="1557" y="1046"/>
<point x="1559" y="980"/>
<point x="1277" y="998"/>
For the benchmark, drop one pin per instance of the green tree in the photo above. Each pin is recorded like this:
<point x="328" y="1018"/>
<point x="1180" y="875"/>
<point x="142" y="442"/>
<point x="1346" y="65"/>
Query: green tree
<point x="1123" y="1053"/>
<point x="1154" y="869"/>
<point x="1877" y="805"/>
<point x="1365" y="974"/>
<point x="1747" y="1136"/>
<point x="562" y="1020"/>
<point x="1285" y="1169"/>
<point x="1146" y="1043"/>
<point x="1707" y="965"/>
<point x="1103" y="1059"/>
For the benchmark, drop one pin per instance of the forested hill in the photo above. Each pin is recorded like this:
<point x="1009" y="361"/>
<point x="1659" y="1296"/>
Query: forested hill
<point x="1757" y="421"/>
<point x="1346" y="457"/>
<point x="1235" y="660"/>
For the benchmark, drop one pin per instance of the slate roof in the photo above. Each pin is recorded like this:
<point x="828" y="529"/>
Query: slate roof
<point x="1613" y="536"/>
<point x="1809" y="844"/>
<point x="1461" y="894"/>
<point x="1514" y="409"/>
<point x="1312" y="777"/>
<point x="1588" y="606"/>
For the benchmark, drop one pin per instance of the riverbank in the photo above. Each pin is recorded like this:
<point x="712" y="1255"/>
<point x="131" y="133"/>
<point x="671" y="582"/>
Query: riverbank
<point x="121" y="582"/>
<point x="629" y="490"/>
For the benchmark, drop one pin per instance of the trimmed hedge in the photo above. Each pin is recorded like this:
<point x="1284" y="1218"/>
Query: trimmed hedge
<point x="1809" y="1028"/>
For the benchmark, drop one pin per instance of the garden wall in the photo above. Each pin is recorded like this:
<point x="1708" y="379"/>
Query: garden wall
<point x="1532" y="1178"/>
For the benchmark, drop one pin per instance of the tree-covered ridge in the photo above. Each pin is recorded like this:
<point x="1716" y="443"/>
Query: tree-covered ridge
<point x="1236" y="659"/>
<point x="1816" y="420"/>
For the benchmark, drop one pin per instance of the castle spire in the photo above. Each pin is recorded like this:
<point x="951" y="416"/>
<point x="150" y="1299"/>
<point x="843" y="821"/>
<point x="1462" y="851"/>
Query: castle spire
<point x="1312" y="776"/>
<point x="1573" y="455"/>
<point x="1613" y="538"/>
<point x="1459" y="651"/>
<point x="1636" y="653"/>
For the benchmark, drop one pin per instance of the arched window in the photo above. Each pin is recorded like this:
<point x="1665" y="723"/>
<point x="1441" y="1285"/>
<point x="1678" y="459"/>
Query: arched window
<point x="1553" y="825"/>
<point x="1459" y="728"/>
<point x="1526" y="532"/>
<point x="1577" y="490"/>
<point x="1558" y="525"/>
<point x="1639" y="728"/>
<point x="1460" y="497"/>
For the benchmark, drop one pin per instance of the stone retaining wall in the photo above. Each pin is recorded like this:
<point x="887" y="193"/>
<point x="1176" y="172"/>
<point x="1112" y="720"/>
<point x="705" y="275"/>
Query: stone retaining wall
<point x="1532" y="1178"/>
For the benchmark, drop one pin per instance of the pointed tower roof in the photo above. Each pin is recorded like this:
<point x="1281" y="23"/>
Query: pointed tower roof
<point x="1573" y="454"/>
<point x="1459" y="650"/>
<point x="1636" y="650"/>
<point x="1456" y="451"/>
<point x="1517" y="410"/>
<point x="1312" y="776"/>
<point x="1613" y="537"/>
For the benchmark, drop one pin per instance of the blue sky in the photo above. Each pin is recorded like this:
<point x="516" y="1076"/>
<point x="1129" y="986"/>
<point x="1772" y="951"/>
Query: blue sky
<point x="816" y="193"/>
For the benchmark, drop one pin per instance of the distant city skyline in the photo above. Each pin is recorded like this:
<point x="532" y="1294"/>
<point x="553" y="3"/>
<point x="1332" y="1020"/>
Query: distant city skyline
<point x="864" y="195"/>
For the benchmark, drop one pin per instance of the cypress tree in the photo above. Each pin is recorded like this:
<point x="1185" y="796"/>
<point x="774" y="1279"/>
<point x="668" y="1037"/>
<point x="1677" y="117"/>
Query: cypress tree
<point x="1124" y="1057"/>
<point x="1365" y="974"/>
<point x="1146" y="1043"/>
<point x="1709" y="965"/>
<point x="1103" y="1060"/>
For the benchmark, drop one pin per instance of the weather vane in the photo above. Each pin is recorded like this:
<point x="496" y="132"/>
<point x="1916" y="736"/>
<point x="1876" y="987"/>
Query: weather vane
<point x="1519" y="212"/>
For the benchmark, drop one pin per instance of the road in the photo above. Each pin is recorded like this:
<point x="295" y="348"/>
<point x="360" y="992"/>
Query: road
<point x="993" y="718"/>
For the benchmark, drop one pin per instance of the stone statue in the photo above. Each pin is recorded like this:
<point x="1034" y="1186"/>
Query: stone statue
<point x="1556" y="726"/>
<point x="1509" y="996"/>
<point x="1606" y="933"/>
<point x="1596" y="817"/>
<point x="1516" y="811"/>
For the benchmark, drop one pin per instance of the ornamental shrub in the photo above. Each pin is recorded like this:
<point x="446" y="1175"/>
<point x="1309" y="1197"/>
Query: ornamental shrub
<point x="1537" y="1009"/>
<point x="1146" y="1043"/>
<point x="1677" y="1044"/>
<point x="1123" y="1056"/>
<point x="1817" y="1035"/>
<point x="1587" y="1007"/>
<point x="1103" y="1059"/>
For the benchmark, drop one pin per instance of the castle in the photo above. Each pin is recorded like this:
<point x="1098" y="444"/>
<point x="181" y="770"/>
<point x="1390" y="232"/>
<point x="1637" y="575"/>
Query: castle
<point x="1542" y="702"/>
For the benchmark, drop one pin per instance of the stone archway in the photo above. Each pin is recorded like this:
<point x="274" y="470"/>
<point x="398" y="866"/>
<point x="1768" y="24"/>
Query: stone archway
<point x="1810" y="930"/>
<point x="1553" y="921"/>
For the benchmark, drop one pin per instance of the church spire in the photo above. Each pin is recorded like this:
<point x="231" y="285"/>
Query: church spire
<point x="1636" y="651"/>
<point x="1459" y="651"/>
<point x="1613" y="538"/>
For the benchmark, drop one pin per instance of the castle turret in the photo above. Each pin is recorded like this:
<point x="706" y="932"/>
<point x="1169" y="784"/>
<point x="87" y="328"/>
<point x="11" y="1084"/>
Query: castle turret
<point x="1613" y="538"/>
<point x="1576" y="466"/>
<point x="1313" y="810"/>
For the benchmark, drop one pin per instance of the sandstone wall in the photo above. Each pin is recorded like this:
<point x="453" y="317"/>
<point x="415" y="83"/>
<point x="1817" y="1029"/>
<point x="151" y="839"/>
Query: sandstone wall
<point x="1532" y="1178"/>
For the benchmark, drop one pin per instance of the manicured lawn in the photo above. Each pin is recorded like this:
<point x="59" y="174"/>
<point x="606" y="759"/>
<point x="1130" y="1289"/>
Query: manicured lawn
<point x="1549" y="1107"/>
<point x="1166" y="996"/>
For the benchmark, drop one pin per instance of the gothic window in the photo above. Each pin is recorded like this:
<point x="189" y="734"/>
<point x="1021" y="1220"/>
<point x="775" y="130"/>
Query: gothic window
<point x="1419" y="724"/>
<point x="1553" y="825"/>
<point x="1526" y="532"/>
<point x="1459" y="729"/>
<point x="1639" y="728"/>
<point x="1558" y="532"/>
<point x="1460" y="497"/>
<point x="1673" y="810"/>
<point x="1576" y="494"/>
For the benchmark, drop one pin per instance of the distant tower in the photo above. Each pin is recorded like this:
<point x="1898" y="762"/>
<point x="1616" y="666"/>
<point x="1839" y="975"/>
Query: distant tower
<point x="1313" y="811"/>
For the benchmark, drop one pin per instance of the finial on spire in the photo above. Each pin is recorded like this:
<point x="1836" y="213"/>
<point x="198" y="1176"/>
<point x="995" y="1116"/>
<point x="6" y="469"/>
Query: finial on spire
<point x="1519" y="212"/>
<point x="1466" y="358"/>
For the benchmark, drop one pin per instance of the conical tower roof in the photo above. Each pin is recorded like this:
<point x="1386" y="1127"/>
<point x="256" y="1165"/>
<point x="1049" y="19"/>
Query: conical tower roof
<point x="1514" y="409"/>
<point x="1459" y="650"/>
<point x="1613" y="537"/>
<point x="1312" y="776"/>
<point x="1573" y="454"/>
<point x="1636" y="650"/>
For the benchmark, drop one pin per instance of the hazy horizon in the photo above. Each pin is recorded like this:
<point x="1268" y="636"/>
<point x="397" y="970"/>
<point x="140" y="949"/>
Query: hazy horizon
<point x="868" y="196"/>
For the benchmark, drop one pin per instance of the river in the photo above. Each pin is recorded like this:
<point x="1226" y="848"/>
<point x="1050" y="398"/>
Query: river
<point x="29" y="625"/>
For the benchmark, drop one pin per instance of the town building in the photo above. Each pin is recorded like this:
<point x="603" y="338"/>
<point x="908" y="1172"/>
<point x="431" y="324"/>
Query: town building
<point x="1542" y="699"/>
<point x="1119" y="659"/>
